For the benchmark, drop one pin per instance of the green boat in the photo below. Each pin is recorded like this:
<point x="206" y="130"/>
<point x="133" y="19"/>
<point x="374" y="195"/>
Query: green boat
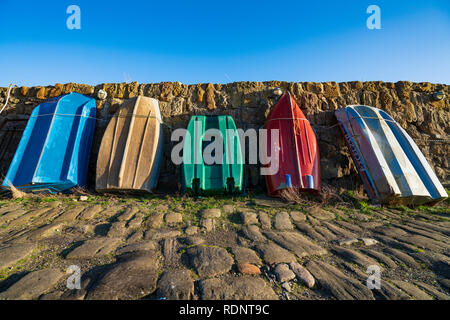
<point x="200" y="175"/>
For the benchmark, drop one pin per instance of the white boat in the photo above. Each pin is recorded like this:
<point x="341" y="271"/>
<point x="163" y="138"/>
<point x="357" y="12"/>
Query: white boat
<point x="392" y="167"/>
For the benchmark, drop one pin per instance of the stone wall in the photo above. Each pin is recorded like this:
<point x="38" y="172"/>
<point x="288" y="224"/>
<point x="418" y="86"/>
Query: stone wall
<point x="411" y="104"/>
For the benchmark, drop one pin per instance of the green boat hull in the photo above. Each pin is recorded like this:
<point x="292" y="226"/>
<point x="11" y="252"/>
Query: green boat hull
<point x="201" y="176"/>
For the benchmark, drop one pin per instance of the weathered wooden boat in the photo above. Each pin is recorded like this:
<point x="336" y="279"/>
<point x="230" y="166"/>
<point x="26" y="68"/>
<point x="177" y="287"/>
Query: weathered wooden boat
<point x="131" y="149"/>
<point x="299" y="159"/>
<point x="207" y="177"/>
<point x="391" y="166"/>
<point x="53" y="153"/>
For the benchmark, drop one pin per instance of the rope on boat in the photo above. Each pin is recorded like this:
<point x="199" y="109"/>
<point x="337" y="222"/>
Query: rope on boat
<point x="105" y="120"/>
<point x="171" y="128"/>
<point x="304" y="119"/>
<point x="375" y="118"/>
<point x="66" y="115"/>
<point x="326" y="127"/>
<point x="416" y="140"/>
<point x="89" y="117"/>
<point x="434" y="140"/>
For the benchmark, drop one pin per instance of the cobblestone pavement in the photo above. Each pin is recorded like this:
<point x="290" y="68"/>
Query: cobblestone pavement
<point x="220" y="248"/>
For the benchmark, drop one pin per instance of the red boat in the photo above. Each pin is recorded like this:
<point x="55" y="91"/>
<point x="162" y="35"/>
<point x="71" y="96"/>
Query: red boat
<point x="299" y="160"/>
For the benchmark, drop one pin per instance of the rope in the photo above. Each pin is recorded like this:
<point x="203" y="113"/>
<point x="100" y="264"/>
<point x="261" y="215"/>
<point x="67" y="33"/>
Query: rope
<point x="376" y="118"/>
<point x="415" y="140"/>
<point x="326" y="127"/>
<point x="106" y="120"/>
<point x="171" y="128"/>
<point x="66" y="115"/>
<point x="88" y="117"/>
<point x="287" y="119"/>
<point x="136" y="116"/>
<point x="7" y="98"/>
<point x="434" y="140"/>
<point x="337" y="124"/>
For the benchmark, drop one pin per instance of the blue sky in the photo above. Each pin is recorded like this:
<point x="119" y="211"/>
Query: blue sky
<point x="223" y="41"/>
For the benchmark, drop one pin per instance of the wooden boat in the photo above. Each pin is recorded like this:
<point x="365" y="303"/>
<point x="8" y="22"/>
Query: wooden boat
<point x="299" y="160"/>
<point x="198" y="177"/>
<point x="391" y="166"/>
<point x="131" y="149"/>
<point x="53" y="153"/>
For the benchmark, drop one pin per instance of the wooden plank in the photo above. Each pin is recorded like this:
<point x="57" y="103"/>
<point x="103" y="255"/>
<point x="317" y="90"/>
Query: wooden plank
<point x="126" y="173"/>
<point x="149" y="149"/>
<point x="104" y="155"/>
<point x="119" y="143"/>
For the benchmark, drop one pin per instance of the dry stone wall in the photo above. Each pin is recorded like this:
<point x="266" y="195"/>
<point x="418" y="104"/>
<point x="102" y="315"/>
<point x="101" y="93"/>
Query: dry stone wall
<point x="411" y="104"/>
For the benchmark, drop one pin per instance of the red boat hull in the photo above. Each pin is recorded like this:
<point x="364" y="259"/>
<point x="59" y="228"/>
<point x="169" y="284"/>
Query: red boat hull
<point x="299" y="160"/>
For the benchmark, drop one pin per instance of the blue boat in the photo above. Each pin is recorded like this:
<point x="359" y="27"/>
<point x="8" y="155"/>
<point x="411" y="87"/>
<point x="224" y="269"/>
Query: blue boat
<point x="53" y="153"/>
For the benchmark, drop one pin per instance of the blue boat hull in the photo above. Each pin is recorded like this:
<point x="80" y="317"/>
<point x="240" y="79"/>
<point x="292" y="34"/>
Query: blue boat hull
<point x="53" y="153"/>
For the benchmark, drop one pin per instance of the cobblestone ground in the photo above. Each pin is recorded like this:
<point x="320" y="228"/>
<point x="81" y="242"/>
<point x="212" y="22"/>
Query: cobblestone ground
<point x="220" y="248"/>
